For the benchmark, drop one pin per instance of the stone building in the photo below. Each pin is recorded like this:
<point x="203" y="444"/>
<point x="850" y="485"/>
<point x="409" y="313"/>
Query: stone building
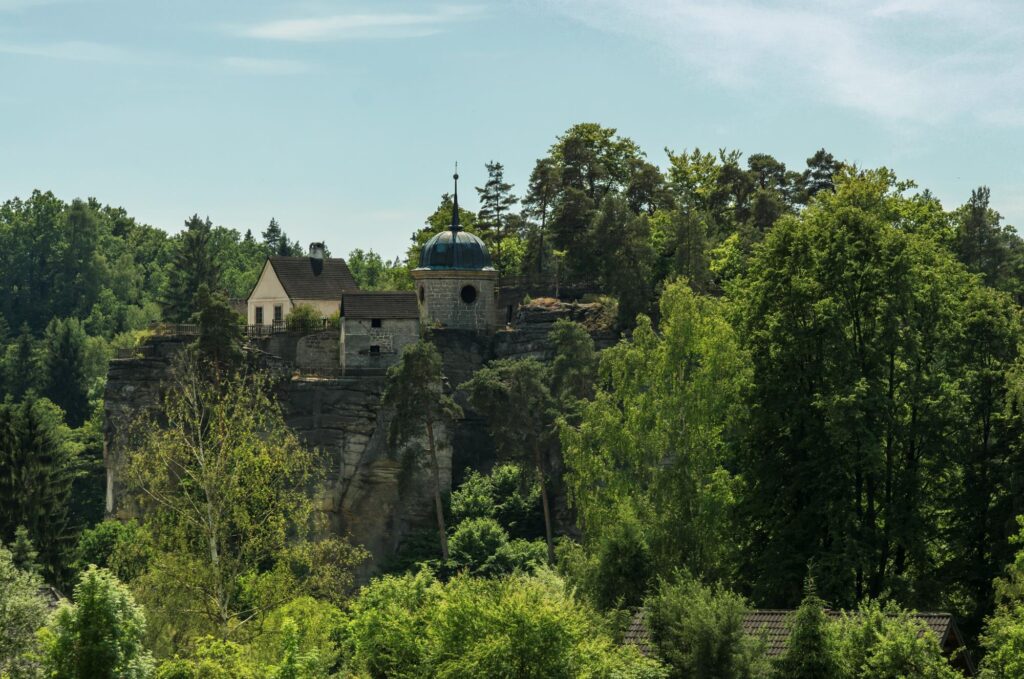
<point x="456" y="286"/>
<point x="375" y="327"/>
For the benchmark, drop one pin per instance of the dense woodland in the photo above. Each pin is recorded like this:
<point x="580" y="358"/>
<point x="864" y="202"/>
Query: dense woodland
<point x="817" y="402"/>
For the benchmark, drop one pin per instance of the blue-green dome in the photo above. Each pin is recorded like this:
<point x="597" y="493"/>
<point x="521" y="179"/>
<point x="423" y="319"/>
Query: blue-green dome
<point x="455" y="249"/>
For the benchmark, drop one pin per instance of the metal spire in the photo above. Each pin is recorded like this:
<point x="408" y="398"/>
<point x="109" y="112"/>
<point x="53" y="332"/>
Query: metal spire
<point x="455" y="202"/>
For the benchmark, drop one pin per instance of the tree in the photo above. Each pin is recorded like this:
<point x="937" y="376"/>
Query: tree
<point x="38" y="463"/>
<point x="660" y="435"/>
<point x="809" y="653"/>
<point x="99" y="635"/>
<point x="419" y="406"/>
<point x="541" y="191"/>
<point x="194" y="265"/>
<point x="515" y="626"/>
<point x="819" y="176"/>
<point x="982" y="243"/>
<point x="220" y="328"/>
<point x="496" y="200"/>
<point x="122" y="547"/>
<point x="698" y="631"/>
<point x="887" y="642"/>
<point x="63" y="368"/>
<point x="22" y="611"/>
<point x="514" y="398"/>
<point x="19" y="364"/>
<point x="224" y="489"/>
<point x="1003" y="635"/>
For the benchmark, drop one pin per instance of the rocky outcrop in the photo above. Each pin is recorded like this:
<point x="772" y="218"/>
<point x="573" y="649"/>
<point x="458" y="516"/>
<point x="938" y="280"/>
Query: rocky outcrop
<point x="376" y="494"/>
<point x="369" y="490"/>
<point x="527" y="337"/>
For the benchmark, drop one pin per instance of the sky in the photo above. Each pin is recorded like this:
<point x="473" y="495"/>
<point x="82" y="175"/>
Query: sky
<point x="343" y="119"/>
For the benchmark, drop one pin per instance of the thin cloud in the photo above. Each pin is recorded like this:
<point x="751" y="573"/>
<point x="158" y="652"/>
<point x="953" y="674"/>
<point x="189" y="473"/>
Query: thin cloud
<point x="359" y="25"/>
<point x="70" y="51"/>
<point x="259" y="66"/>
<point x="925" y="61"/>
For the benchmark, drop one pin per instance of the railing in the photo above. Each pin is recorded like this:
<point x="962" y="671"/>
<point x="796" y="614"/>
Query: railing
<point x="174" y="328"/>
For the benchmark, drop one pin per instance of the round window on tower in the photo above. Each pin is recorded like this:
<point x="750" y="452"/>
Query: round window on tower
<point x="468" y="294"/>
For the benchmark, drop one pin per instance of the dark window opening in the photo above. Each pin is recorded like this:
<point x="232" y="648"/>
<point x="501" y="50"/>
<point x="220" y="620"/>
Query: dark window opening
<point x="468" y="294"/>
<point x="423" y="294"/>
<point x="278" y="313"/>
<point x="374" y="322"/>
<point x="508" y="315"/>
<point x="374" y="350"/>
<point x="259" y="315"/>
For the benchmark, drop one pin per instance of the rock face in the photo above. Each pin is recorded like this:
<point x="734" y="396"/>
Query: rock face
<point x="376" y="494"/>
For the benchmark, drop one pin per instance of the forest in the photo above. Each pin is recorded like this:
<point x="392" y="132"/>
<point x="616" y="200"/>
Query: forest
<point x="817" y="403"/>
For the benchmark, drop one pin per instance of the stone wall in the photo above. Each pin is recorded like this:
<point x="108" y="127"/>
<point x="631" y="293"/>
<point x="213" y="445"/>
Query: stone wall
<point x="441" y="303"/>
<point x="318" y="352"/>
<point x="358" y="335"/>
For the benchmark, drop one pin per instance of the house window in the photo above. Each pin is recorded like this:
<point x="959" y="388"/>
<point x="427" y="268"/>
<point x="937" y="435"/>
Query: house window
<point x="259" y="315"/>
<point x="374" y="322"/>
<point x="374" y="350"/>
<point x="278" y="313"/>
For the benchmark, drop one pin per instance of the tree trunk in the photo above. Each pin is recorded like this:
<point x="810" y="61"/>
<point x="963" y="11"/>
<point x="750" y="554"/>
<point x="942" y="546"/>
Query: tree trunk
<point x="438" y="506"/>
<point x="544" y="503"/>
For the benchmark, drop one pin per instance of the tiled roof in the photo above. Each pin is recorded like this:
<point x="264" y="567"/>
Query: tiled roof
<point x="309" y="278"/>
<point x="361" y="305"/>
<point x="772" y="623"/>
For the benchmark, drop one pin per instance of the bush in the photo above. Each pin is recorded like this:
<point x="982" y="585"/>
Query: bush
<point x="122" y="547"/>
<point x="304" y="317"/>
<point x="698" y="630"/>
<point x="100" y="635"/>
<point x="516" y="626"/>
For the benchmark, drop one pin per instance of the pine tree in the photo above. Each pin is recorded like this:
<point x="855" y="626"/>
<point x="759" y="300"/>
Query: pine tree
<point x="541" y="191"/>
<point x="19" y="372"/>
<point x="808" y="653"/>
<point x="63" y="369"/>
<point x="23" y="552"/>
<point x="496" y="200"/>
<point x="273" y="237"/>
<point x="37" y="468"/>
<point x="194" y="264"/>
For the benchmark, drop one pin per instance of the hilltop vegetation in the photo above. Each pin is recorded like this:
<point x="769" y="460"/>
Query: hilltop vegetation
<point x="816" y="401"/>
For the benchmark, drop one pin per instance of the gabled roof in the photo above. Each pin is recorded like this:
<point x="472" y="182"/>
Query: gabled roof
<point x="773" y="626"/>
<point x="362" y="305"/>
<point x="309" y="278"/>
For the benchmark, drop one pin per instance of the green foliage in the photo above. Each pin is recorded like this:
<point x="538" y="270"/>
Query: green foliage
<point x="224" y="488"/>
<point x="658" y="438"/>
<point x="99" y="635"/>
<point x="809" y="653"/>
<point x="212" y="658"/>
<point x="414" y="394"/>
<point x="574" y="367"/>
<point x="63" y="368"/>
<point x="516" y="626"/>
<point x="698" y="631"/>
<point x="303" y="317"/>
<point x="889" y="643"/>
<point x="22" y="611"/>
<point x="876" y="406"/>
<point x="374" y="273"/>
<point x="38" y="465"/>
<point x="495" y="218"/>
<point x="195" y="264"/>
<point x="122" y="547"/>
<point x="514" y="398"/>
<point x="1003" y="636"/>
<point x="220" y="328"/>
<point x="506" y="495"/>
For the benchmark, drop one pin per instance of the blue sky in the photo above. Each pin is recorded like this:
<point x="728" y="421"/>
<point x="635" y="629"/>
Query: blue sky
<point x="343" y="119"/>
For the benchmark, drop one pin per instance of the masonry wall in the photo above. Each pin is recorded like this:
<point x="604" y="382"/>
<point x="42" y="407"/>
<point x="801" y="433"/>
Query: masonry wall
<point x="441" y="303"/>
<point x="359" y="335"/>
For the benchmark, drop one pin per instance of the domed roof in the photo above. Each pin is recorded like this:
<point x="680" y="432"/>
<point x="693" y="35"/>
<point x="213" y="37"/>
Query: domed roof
<point x="455" y="249"/>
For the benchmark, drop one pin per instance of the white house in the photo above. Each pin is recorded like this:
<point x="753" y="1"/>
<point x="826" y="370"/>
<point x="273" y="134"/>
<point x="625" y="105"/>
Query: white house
<point x="286" y="282"/>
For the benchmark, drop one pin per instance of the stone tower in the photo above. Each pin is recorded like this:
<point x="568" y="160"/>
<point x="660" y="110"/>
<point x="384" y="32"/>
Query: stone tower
<point x="456" y="285"/>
